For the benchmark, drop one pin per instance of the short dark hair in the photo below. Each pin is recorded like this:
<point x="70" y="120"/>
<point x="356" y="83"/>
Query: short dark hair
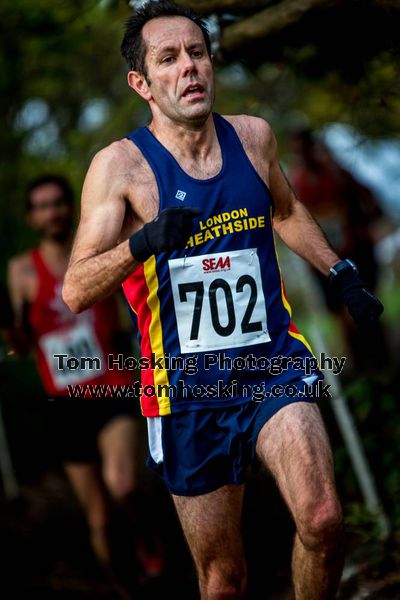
<point x="134" y="49"/>
<point x="59" y="180"/>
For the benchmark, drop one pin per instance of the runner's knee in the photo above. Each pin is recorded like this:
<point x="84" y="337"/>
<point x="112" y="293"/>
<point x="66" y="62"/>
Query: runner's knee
<point x="121" y="484"/>
<point x="320" y="528"/>
<point x="223" y="581"/>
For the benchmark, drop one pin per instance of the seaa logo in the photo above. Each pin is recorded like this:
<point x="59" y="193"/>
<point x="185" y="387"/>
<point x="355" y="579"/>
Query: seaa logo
<point x="211" y="265"/>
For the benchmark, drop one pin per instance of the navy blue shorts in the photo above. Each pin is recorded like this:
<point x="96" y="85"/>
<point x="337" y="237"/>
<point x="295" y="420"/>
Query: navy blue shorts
<point x="198" y="451"/>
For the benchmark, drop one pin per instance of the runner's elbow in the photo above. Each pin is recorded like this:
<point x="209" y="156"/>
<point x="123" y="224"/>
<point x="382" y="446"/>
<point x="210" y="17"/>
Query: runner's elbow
<point x="72" y="298"/>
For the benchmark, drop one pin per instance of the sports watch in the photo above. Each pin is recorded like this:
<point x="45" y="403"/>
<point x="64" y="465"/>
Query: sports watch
<point x="341" y="266"/>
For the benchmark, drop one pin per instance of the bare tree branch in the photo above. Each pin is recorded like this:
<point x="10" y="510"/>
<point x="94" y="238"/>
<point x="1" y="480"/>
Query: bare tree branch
<point x="210" y="6"/>
<point x="269" y="21"/>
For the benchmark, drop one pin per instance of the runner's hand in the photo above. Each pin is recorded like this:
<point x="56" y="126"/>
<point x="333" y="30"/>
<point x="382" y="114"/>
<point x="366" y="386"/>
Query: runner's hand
<point x="362" y="305"/>
<point x="169" y="231"/>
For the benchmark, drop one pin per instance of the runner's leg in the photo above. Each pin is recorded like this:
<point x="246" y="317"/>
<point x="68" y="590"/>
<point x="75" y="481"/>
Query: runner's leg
<point x="294" y="446"/>
<point x="122" y="448"/>
<point x="211" y="524"/>
<point x="122" y="454"/>
<point x="89" y="488"/>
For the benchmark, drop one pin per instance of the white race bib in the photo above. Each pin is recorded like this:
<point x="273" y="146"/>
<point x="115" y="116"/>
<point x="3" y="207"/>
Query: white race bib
<point x="78" y="342"/>
<point x="219" y="300"/>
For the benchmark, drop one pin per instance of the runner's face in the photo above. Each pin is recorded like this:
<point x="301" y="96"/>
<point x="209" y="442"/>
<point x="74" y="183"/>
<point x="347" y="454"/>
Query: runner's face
<point x="49" y="214"/>
<point x="179" y="69"/>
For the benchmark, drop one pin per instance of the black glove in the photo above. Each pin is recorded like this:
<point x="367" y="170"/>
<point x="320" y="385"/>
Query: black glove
<point x="169" y="231"/>
<point x="362" y="305"/>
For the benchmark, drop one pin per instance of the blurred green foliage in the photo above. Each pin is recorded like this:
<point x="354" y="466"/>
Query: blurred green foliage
<point x="63" y="91"/>
<point x="63" y="56"/>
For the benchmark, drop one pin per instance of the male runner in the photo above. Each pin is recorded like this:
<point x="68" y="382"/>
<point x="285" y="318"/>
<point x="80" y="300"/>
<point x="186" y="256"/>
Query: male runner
<point x="182" y="211"/>
<point x="96" y="439"/>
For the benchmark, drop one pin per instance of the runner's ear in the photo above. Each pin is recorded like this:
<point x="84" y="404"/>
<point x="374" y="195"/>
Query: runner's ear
<point x="138" y="83"/>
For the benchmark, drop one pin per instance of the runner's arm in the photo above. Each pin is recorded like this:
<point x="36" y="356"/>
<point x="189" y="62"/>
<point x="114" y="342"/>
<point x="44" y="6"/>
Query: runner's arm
<point x="292" y="221"/>
<point x="98" y="265"/>
<point x="301" y="233"/>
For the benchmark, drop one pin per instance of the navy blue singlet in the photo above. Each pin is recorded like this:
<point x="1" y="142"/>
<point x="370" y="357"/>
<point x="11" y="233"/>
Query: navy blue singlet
<point x="221" y="298"/>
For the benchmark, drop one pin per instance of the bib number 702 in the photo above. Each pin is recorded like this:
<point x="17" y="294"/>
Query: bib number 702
<point x="226" y="304"/>
<point x="219" y="310"/>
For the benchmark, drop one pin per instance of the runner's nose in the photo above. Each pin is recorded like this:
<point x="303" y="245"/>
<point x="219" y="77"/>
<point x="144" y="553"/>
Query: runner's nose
<point x="188" y="64"/>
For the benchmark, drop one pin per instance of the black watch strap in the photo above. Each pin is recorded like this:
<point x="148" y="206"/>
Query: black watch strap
<point x="341" y="266"/>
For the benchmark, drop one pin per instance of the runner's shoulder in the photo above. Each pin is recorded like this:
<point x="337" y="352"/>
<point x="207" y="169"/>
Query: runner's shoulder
<point x="21" y="262"/>
<point x="118" y="160"/>
<point x="253" y="132"/>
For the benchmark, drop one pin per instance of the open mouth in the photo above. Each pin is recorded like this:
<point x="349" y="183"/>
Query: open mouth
<point x="194" y="90"/>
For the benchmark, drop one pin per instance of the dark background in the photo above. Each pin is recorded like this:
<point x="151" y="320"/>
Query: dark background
<point x="63" y="96"/>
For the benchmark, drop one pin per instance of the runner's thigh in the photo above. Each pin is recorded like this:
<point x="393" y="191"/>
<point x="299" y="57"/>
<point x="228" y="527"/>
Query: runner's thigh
<point x="294" y="446"/>
<point x="211" y="524"/>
